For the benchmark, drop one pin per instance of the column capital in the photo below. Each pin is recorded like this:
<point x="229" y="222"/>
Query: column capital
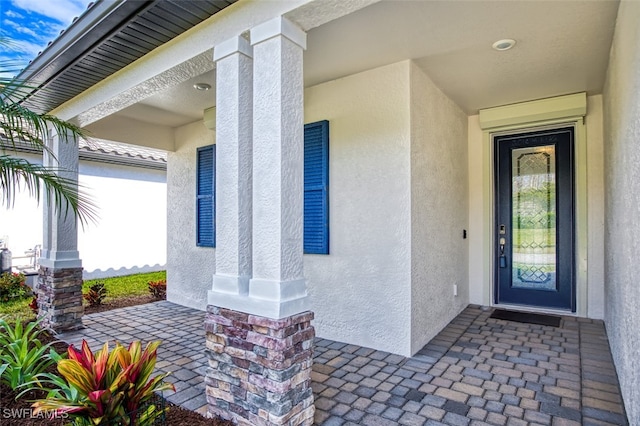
<point x="279" y="26"/>
<point x="227" y="48"/>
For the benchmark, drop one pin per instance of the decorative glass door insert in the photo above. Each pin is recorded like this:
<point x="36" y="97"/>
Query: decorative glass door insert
<point x="534" y="217"/>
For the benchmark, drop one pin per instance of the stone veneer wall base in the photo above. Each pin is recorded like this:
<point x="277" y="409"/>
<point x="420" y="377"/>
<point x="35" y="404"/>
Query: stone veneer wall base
<point x="259" y="368"/>
<point x="60" y="298"/>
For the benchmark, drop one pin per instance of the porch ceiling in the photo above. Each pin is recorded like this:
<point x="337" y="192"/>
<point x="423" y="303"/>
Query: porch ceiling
<point x="562" y="47"/>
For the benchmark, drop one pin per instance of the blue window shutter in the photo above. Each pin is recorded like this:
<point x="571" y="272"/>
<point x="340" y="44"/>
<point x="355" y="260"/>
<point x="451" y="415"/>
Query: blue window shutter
<point x="206" y="197"/>
<point x="316" y="188"/>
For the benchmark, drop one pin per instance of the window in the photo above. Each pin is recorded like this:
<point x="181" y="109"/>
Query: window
<point x="316" y="188"/>
<point x="205" y="197"/>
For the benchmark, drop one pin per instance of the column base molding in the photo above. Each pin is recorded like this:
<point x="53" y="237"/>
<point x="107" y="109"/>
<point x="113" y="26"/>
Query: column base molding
<point x="262" y="307"/>
<point x="231" y="284"/>
<point x="259" y="368"/>
<point x="60" y="259"/>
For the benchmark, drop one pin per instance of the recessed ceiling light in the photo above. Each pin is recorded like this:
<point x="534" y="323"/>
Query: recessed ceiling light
<point x="202" y="86"/>
<point x="504" y="44"/>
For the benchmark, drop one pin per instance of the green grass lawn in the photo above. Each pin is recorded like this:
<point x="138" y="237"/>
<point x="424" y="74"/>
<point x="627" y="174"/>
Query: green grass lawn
<point x="16" y="310"/>
<point x="125" y="286"/>
<point x="128" y="285"/>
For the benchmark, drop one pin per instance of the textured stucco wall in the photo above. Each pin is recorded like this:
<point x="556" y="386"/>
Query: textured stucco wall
<point x="129" y="236"/>
<point x="361" y="291"/>
<point x="622" y="206"/>
<point x="189" y="268"/>
<point x="439" y="209"/>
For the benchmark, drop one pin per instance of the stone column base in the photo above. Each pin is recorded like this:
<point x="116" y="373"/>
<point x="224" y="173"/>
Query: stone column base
<point x="60" y="298"/>
<point x="259" y="368"/>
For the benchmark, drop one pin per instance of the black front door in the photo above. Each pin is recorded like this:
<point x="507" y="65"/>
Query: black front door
<point x="534" y="236"/>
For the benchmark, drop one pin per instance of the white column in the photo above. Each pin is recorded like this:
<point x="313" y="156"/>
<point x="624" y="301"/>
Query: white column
<point x="278" y="285"/>
<point x="60" y="239"/>
<point x="234" y="135"/>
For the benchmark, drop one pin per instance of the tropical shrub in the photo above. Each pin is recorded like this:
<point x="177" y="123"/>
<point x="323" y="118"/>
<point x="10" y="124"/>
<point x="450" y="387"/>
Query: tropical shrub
<point x="158" y="289"/>
<point x="13" y="286"/>
<point x="96" y="294"/>
<point x="107" y="388"/>
<point x="23" y="358"/>
<point x="33" y="305"/>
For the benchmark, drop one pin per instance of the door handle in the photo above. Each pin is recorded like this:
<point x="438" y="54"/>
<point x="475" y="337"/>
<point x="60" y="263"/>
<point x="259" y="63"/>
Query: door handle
<point x="503" y="258"/>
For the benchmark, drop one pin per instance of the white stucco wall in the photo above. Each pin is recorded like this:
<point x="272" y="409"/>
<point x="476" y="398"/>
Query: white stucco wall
<point x="479" y="292"/>
<point x="622" y="207"/>
<point x="361" y="291"/>
<point x="439" y="209"/>
<point x="129" y="236"/>
<point x="21" y="223"/>
<point x="190" y="268"/>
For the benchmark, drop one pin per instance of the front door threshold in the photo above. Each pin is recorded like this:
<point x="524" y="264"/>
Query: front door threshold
<point x="534" y="309"/>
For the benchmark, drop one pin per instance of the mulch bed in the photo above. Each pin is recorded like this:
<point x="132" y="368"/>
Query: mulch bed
<point x="11" y="410"/>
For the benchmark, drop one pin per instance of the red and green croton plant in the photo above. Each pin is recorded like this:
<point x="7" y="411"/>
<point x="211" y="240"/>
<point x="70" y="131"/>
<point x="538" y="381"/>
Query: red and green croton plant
<point x="106" y="388"/>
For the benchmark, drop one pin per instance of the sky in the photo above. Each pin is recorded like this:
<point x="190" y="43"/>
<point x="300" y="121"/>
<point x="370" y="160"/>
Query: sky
<point x="31" y="24"/>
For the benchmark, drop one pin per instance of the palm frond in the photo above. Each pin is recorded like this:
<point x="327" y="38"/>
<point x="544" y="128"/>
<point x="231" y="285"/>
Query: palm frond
<point x="19" y="123"/>
<point x="65" y="193"/>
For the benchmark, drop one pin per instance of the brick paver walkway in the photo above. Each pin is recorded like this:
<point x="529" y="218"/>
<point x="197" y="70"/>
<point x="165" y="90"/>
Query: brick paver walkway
<point x="477" y="371"/>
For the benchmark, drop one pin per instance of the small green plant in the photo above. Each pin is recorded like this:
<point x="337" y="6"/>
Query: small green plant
<point x="96" y="294"/>
<point x="108" y="388"/>
<point x="158" y="289"/>
<point x="13" y="286"/>
<point x="23" y="358"/>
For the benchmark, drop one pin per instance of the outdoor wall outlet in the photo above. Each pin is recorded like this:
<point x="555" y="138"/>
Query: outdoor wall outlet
<point x="455" y="289"/>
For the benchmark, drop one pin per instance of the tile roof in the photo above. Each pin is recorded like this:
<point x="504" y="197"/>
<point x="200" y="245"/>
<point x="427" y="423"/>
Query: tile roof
<point x="100" y="150"/>
<point x="122" y="150"/>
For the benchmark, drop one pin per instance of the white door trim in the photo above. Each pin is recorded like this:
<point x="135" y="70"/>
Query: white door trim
<point x="516" y="119"/>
